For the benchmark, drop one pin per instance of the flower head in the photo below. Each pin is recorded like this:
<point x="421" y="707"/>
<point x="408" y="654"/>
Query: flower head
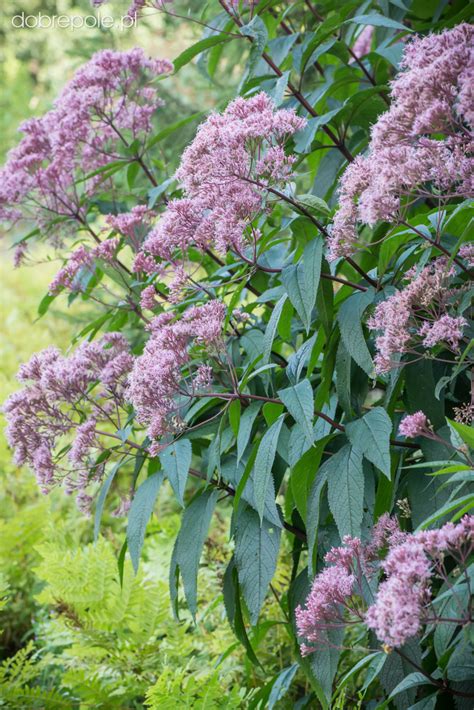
<point x="419" y="143"/>
<point x="413" y="425"/>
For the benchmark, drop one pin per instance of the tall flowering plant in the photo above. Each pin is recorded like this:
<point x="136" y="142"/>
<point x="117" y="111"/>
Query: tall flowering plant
<point x="282" y="324"/>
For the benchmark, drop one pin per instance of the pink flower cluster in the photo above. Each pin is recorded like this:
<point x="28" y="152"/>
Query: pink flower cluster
<point x="226" y="173"/>
<point x="133" y="225"/>
<point x="422" y="143"/>
<point x="157" y="388"/>
<point x="105" y="106"/>
<point x="64" y="400"/>
<point x="417" y="315"/>
<point x="403" y="602"/>
<point x="413" y="425"/>
<point x="82" y="261"/>
<point x="331" y="590"/>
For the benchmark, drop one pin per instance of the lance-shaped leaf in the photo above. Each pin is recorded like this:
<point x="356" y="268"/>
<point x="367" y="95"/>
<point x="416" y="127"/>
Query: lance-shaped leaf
<point x="371" y="436"/>
<point x="140" y="512"/>
<point x="345" y="478"/>
<point x="176" y="460"/>
<point x="271" y="329"/>
<point x="188" y="546"/>
<point x="102" y="496"/>
<point x="299" y="402"/>
<point x="245" y="429"/>
<point x="256" y="554"/>
<point x="349" y="318"/>
<point x="281" y="685"/>
<point x="301" y="280"/>
<point x="195" y="49"/>
<point x="264" y="462"/>
<point x="258" y="33"/>
<point x="312" y="513"/>
<point x="298" y="360"/>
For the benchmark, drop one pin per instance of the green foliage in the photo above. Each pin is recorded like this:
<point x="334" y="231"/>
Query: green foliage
<point x="296" y="443"/>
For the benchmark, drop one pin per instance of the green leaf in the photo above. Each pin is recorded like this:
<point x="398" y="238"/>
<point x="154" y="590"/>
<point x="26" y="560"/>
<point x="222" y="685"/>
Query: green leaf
<point x="299" y="359"/>
<point x="101" y="498"/>
<point x="465" y="432"/>
<point x="376" y="656"/>
<point x="234" y="416"/>
<point x="278" y="92"/>
<point x="191" y="52"/>
<point x="315" y="204"/>
<point x="304" y="138"/>
<point x="256" y="553"/>
<point x="271" y="329"/>
<point x="428" y="703"/>
<point x="281" y="685"/>
<point x="257" y="32"/>
<point x="396" y="668"/>
<point x="313" y="512"/>
<point x="140" y="512"/>
<point x="264" y="462"/>
<point x="246" y="422"/>
<point x="343" y="378"/>
<point x="45" y="303"/>
<point x="461" y="664"/>
<point x="411" y="681"/>
<point x="299" y="401"/>
<point x="234" y="610"/>
<point x="132" y="172"/>
<point x="157" y="191"/>
<point x="169" y="130"/>
<point x="301" y="280"/>
<point x="189" y="543"/>
<point x="176" y="461"/>
<point x="346" y="490"/>
<point x="377" y="21"/>
<point x="349" y="318"/>
<point x="371" y="436"/>
<point x="466" y="501"/>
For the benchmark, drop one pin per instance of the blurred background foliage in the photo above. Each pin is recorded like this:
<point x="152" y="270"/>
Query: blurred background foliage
<point x="71" y="635"/>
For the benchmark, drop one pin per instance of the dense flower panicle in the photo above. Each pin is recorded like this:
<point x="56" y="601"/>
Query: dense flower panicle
<point x="82" y="260"/>
<point x="406" y="155"/>
<point x="413" y="425"/>
<point x="322" y="608"/>
<point x="403" y="601"/>
<point x="397" y="615"/>
<point x="106" y="98"/>
<point x="63" y="401"/>
<point x="144" y="263"/>
<point x="386" y="531"/>
<point x="133" y="225"/>
<point x="225" y="173"/>
<point x="156" y="383"/>
<point x="417" y="315"/>
<point x="148" y="298"/>
<point x="331" y="589"/>
<point x="446" y="329"/>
